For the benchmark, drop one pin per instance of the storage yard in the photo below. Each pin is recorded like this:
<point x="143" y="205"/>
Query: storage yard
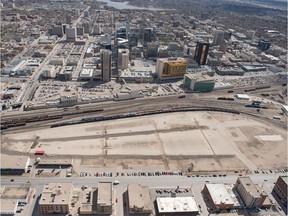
<point x="211" y="141"/>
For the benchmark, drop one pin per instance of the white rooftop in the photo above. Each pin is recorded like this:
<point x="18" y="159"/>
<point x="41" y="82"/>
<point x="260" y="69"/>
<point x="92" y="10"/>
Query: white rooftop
<point x="219" y="194"/>
<point x="176" y="204"/>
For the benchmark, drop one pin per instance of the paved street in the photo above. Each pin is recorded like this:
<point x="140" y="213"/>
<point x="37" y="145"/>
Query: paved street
<point x="197" y="184"/>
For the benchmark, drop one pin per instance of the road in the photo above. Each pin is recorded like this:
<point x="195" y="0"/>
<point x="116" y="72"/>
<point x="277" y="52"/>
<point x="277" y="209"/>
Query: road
<point x="196" y="183"/>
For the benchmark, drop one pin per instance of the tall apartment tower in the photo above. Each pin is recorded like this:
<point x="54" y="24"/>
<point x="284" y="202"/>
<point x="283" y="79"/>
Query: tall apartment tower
<point x="218" y="37"/>
<point x="106" y="57"/>
<point x="201" y="52"/>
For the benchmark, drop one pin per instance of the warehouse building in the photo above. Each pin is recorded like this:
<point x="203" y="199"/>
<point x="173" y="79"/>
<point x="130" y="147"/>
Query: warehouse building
<point x="139" y="200"/>
<point x="176" y="206"/>
<point x="199" y="82"/>
<point x="220" y="196"/>
<point x="252" y="195"/>
<point x="56" y="198"/>
<point x="14" y="165"/>
<point x="281" y="188"/>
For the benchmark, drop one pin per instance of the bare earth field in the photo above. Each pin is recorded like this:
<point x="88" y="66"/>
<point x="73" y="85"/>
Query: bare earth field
<point x="211" y="141"/>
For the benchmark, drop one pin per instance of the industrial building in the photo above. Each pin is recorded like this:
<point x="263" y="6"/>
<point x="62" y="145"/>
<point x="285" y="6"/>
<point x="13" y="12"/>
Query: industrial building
<point x="56" y="198"/>
<point x="14" y="165"/>
<point x="139" y="200"/>
<point x="176" y="206"/>
<point x="199" y="82"/>
<point x="252" y="195"/>
<point x="106" y="58"/>
<point x="169" y="68"/>
<point x="220" y="196"/>
<point x="201" y="52"/>
<point x="281" y="188"/>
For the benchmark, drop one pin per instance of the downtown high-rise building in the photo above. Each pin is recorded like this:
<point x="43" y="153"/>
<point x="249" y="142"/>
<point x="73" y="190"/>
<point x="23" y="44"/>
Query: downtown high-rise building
<point x="106" y="58"/>
<point x="201" y="52"/>
<point x="218" y="37"/>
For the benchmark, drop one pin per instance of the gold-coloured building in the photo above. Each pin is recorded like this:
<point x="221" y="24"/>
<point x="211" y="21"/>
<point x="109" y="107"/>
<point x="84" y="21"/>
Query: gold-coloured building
<point x="168" y="68"/>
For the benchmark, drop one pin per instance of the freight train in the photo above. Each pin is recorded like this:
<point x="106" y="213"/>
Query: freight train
<point x="142" y="113"/>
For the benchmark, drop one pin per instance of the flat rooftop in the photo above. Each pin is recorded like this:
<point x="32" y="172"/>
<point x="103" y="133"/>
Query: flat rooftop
<point x="8" y="205"/>
<point x="176" y="204"/>
<point x="56" y="193"/>
<point x="15" y="192"/>
<point x="104" y="193"/>
<point x="250" y="186"/>
<point x="13" y="162"/>
<point x="139" y="197"/>
<point x="200" y="77"/>
<point x="219" y="194"/>
<point x="56" y="162"/>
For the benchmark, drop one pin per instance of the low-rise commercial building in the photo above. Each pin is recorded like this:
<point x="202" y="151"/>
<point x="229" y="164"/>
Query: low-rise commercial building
<point x="176" y="206"/>
<point x="104" y="198"/>
<point x="139" y="200"/>
<point x="20" y="194"/>
<point x="219" y="197"/>
<point x="56" y="198"/>
<point x="8" y="207"/>
<point x="252" y="195"/>
<point x="58" y="163"/>
<point x="98" y="201"/>
<point x="281" y="188"/>
<point x="14" y="165"/>
<point x="199" y="82"/>
<point x="229" y="71"/>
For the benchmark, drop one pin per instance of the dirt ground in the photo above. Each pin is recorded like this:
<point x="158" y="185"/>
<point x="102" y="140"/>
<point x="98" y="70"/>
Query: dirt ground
<point x="211" y="141"/>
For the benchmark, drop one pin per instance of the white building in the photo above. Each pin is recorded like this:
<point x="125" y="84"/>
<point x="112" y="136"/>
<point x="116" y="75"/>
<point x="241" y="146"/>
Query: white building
<point x="176" y="205"/>
<point x="123" y="58"/>
<point x="49" y="71"/>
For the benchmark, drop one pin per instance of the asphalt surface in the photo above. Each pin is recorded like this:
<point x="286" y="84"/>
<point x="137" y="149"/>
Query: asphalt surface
<point x="196" y="183"/>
